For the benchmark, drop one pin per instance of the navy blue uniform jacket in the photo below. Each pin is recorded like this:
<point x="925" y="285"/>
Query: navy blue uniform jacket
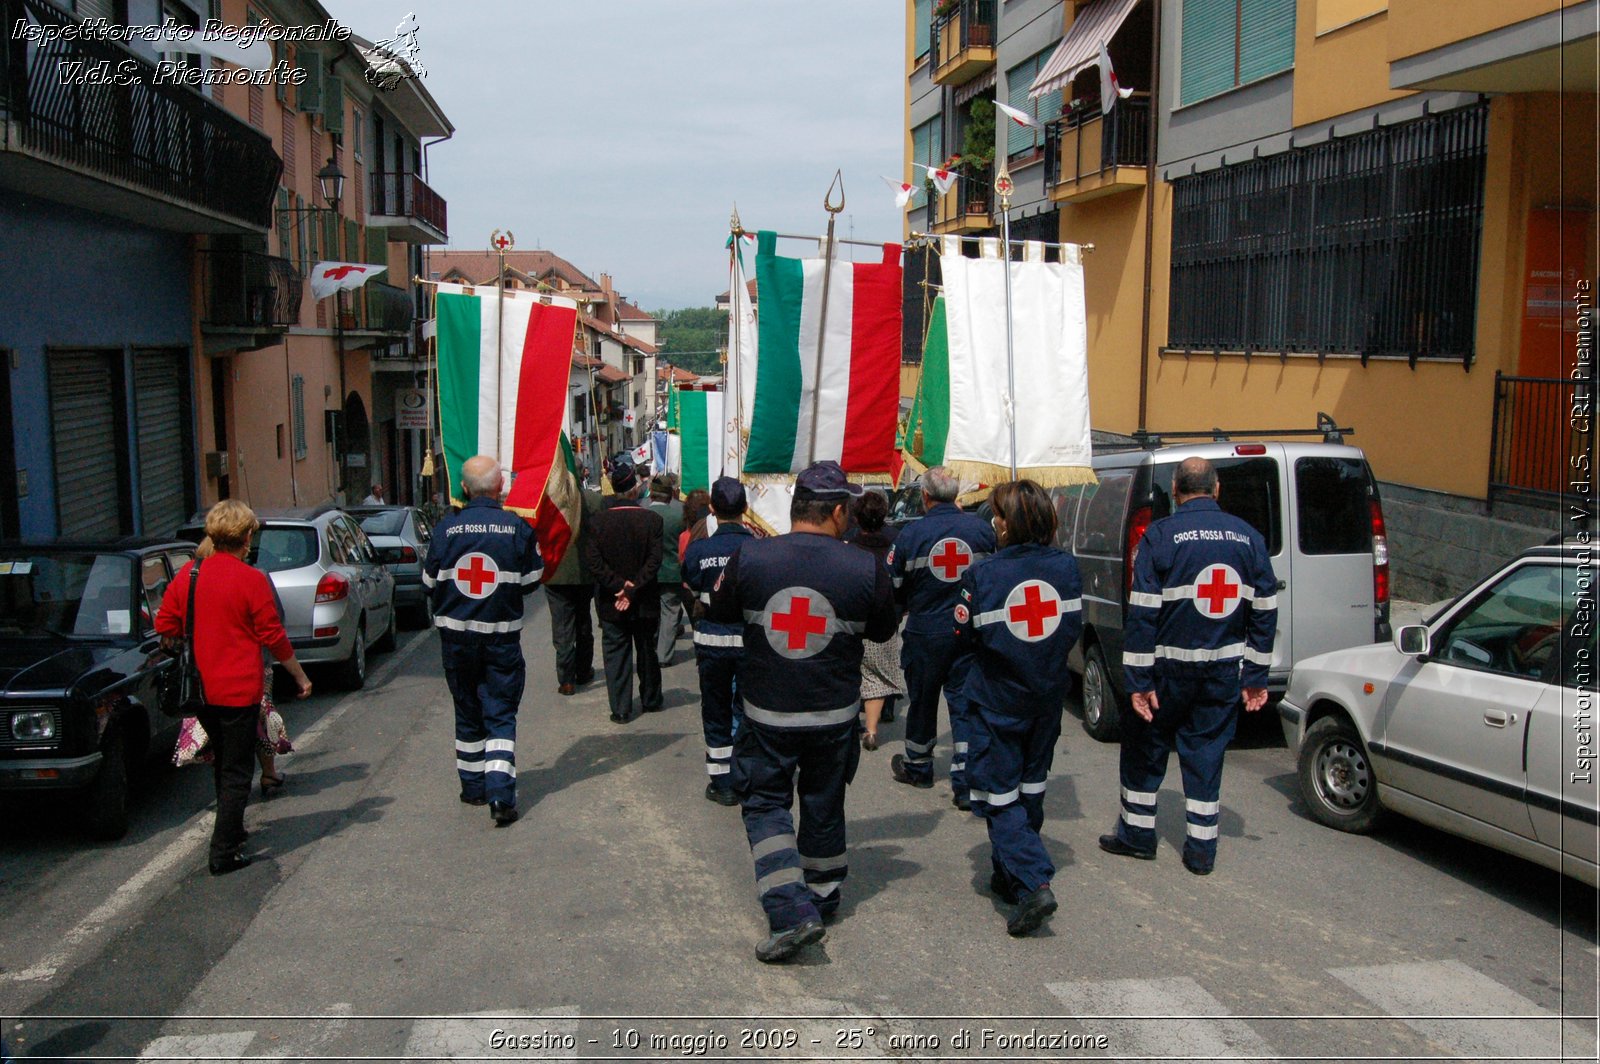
<point x="703" y="562"/>
<point x="481" y="563"/>
<point x="1020" y="612"/>
<point x="1203" y="593"/>
<point x="927" y="562"/>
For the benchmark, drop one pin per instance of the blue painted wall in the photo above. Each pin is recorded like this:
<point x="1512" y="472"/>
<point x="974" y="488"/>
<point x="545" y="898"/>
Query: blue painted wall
<point x="73" y="278"/>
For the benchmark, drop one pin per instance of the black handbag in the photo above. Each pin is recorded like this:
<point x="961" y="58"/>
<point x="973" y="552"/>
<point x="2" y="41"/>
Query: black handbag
<point x="191" y="692"/>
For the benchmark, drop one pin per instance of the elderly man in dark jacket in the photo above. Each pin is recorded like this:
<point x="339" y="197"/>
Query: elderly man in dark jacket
<point x="623" y="549"/>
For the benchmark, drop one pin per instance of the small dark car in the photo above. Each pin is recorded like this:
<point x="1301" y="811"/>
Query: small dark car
<point x="86" y="693"/>
<point x="400" y="535"/>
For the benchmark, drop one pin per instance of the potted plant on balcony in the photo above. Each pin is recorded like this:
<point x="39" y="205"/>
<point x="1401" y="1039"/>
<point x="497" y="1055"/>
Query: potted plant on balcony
<point x="946" y="8"/>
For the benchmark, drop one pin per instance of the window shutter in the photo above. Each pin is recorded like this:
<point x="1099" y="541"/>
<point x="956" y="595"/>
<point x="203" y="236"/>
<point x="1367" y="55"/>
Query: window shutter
<point x="333" y="104"/>
<point x="284" y="218"/>
<point x="922" y="18"/>
<point x="920" y="141"/>
<point x="1205" y="62"/>
<point x="1018" y="78"/>
<point x="280" y="54"/>
<point x="352" y="242"/>
<point x="310" y="95"/>
<point x="378" y="246"/>
<point x="936" y="142"/>
<point x="1266" y="39"/>
<point x="297" y="414"/>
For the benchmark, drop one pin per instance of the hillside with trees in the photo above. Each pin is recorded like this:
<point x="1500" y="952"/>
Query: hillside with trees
<point x="694" y="337"/>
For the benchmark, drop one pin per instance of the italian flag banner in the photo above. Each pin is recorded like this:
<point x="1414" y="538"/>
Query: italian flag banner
<point x="560" y="506"/>
<point x="929" y="424"/>
<point x="504" y="361"/>
<point x="700" y="430"/>
<point x="853" y="386"/>
<point x="1050" y="346"/>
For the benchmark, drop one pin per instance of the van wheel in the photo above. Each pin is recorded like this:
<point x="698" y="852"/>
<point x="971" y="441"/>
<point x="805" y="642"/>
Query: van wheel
<point x="105" y="800"/>
<point x="1336" y="777"/>
<point x="352" y="672"/>
<point x="1102" y="713"/>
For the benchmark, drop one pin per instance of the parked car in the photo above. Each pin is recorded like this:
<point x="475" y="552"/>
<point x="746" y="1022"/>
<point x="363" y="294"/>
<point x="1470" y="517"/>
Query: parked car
<point x="338" y="599"/>
<point x="1470" y="723"/>
<point x="1317" y="505"/>
<point x="400" y="534"/>
<point x="85" y="691"/>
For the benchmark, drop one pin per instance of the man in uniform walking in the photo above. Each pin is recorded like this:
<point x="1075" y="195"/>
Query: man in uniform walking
<point x="926" y="563"/>
<point x="807" y="601"/>
<point x="1201" y="619"/>
<point x="481" y="564"/>
<point x="718" y="646"/>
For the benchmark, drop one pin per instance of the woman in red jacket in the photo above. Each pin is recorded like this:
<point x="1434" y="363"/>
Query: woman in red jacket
<point x="235" y="618"/>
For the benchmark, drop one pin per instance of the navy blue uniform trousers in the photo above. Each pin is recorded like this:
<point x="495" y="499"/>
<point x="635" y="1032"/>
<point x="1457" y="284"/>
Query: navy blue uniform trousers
<point x="933" y="662"/>
<point x="486" y="680"/>
<point x="1008" y="761"/>
<point x="1198" y="714"/>
<point x="798" y="874"/>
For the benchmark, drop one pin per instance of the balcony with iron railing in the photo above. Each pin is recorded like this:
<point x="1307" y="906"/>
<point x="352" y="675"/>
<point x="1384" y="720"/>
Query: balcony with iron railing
<point x="411" y="211"/>
<point x="969" y="205"/>
<point x="250" y="299"/>
<point x="963" y="41"/>
<point x="1088" y="155"/>
<point x="386" y="309"/>
<point x="85" y="122"/>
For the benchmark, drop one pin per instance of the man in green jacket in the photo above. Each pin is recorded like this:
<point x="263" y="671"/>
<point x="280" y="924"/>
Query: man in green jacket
<point x="664" y="501"/>
<point x="570" y="592"/>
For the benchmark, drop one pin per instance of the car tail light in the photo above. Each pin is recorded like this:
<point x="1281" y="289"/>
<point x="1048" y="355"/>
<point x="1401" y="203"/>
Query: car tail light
<point x="1380" y="554"/>
<point x="332" y="588"/>
<point x="408" y="554"/>
<point x="1136" y="526"/>
<point x="330" y="632"/>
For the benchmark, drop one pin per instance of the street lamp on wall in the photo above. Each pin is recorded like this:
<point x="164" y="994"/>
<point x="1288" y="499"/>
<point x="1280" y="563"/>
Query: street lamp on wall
<point x="331" y="180"/>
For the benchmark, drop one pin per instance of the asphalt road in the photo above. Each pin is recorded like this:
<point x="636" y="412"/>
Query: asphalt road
<point x="385" y="920"/>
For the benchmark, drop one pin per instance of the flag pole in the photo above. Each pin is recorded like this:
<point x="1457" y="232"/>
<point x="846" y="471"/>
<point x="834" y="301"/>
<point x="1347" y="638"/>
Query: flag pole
<point x="822" y="321"/>
<point x="501" y="244"/>
<point x="732" y="369"/>
<point x="1003" y="186"/>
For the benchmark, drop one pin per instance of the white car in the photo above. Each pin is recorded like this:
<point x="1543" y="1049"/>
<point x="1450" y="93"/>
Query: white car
<point x="1480" y="722"/>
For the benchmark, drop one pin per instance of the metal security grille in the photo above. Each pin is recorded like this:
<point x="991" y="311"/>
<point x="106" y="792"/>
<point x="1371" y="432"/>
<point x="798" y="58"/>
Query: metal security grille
<point x="1365" y="245"/>
<point x="160" y="386"/>
<point x="85" y="418"/>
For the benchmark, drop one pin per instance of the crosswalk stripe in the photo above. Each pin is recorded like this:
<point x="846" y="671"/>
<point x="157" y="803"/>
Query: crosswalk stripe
<point x="470" y="1036"/>
<point x="226" y="1046"/>
<point x="1473" y="1010"/>
<point x="1156" y="1036"/>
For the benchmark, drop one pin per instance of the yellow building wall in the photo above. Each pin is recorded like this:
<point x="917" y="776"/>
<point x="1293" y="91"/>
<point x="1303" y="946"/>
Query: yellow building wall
<point x="1113" y="290"/>
<point x="1343" y="69"/>
<point x="1417" y="26"/>
<point x="1426" y="427"/>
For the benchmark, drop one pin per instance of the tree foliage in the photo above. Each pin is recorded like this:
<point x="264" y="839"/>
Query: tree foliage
<point x="694" y="337"/>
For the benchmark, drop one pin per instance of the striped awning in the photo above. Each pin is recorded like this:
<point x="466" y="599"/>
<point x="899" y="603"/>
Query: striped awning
<point x="1094" y="25"/>
<point x="975" y="87"/>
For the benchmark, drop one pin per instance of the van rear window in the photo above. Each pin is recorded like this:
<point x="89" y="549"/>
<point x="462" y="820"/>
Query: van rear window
<point x="1249" y="491"/>
<point x="1331" y="496"/>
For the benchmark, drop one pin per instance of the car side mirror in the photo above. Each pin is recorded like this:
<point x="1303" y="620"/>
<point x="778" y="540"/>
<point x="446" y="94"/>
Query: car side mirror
<point x="1412" y="640"/>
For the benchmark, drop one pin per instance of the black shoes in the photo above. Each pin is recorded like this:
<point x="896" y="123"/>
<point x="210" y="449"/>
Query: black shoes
<point x="897" y="769"/>
<point x="586" y="678"/>
<point x="720" y="795"/>
<point x="961" y="802"/>
<point x="781" y="945"/>
<point x="887" y="716"/>
<point x="473" y="801"/>
<point x="1000" y="886"/>
<point x="567" y="689"/>
<point x="1113" y="844"/>
<point x="231" y="863"/>
<point x="1197" y="869"/>
<point x="1032" y="911"/>
<point x="503" y="813"/>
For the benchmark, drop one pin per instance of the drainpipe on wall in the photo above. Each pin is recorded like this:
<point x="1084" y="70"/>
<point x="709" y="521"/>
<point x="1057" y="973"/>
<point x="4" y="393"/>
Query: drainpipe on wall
<point x="1150" y="218"/>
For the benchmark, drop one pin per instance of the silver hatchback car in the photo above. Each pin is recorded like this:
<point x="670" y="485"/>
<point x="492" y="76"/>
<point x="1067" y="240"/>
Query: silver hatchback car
<point x="338" y="598"/>
<point x="1480" y="722"/>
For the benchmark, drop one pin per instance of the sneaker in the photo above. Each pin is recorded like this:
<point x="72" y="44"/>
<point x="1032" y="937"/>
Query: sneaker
<point x="897" y="769"/>
<point x="503" y="813"/>
<point x="1032" y="911"/>
<point x="1113" y="844"/>
<point x="781" y="945"/>
<point x="721" y="795"/>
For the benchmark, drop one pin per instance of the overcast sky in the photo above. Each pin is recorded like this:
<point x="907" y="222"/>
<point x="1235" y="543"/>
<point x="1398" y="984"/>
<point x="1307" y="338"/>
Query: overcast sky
<point x="620" y="133"/>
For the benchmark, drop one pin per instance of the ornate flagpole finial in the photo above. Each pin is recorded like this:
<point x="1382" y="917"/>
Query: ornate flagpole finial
<point x="827" y="200"/>
<point x="502" y="241"/>
<point x="1004" y="186"/>
<point x="733" y="222"/>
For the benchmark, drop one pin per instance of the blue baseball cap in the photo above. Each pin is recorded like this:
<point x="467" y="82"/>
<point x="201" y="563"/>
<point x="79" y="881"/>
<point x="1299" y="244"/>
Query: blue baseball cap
<point x="727" y="496"/>
<point x="825" y="480"/>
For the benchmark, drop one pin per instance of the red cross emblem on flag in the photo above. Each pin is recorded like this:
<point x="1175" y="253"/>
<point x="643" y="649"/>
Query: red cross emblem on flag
<point x="949" y="558"/>
<point x="798" y="622"/>
<point x="1033" y="611"/>
<point x="475" y="575"/>
<point x="339" y="273"/>
<point x="1217" y="591"/>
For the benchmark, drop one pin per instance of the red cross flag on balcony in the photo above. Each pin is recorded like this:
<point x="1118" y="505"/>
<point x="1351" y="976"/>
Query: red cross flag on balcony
<point x="330" y="277"/>
<point x="797" y="621"/>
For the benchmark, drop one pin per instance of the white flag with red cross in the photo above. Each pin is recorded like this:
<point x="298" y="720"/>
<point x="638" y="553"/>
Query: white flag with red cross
<point x="1021" y="118"/>
<point x="330" y="277"/>
<point x="902" y="191"/>
<point x="943" y="180"/>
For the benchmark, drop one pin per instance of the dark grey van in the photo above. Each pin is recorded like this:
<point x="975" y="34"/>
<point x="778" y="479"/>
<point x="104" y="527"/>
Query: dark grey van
<point x="1317" y="506"/>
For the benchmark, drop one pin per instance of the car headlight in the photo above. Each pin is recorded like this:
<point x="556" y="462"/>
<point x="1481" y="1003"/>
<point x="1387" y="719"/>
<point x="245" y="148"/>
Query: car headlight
<point x="33" y="726"/>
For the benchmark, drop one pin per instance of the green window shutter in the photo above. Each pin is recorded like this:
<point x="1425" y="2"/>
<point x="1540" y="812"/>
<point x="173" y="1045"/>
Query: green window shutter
<point x="922" y="17"/>
<point x="920" y="140"/>
<point x="284" y="218"/>
<point x="936" y="142"/>
<point x="378" y="246"/>
<point x="352" y="242"/>
<point x="1206" y="59"/>
<point x="1018" y="78"/>
<point x="333" y="104"/>
<point x="280" y="54"/>
<point x="1266" y="39"/>
<point x="309" y="97"/>
<point x="330" y="238"/>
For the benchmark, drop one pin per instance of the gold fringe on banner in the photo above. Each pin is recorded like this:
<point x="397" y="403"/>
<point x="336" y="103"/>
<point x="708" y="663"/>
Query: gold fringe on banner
<point x="1044" y="476"/>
